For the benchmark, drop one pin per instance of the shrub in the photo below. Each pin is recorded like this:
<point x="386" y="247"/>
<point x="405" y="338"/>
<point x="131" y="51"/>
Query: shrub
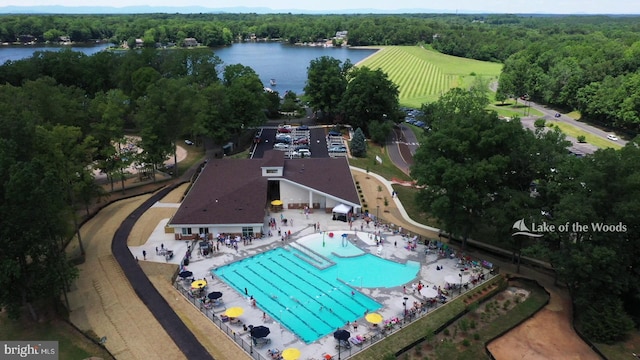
<point x="463" y="324"/>
<point x="476" y="336"/>
<point x="446" y="332"/>
<point x="582" y="139"/>
<point x="506" y="304"/>
<point x="539" y="123"/>
<point x="472" y="324"/>
<point x="466" y="343"/>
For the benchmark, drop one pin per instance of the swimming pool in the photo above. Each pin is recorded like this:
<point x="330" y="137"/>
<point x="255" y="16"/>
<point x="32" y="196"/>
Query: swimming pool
<point x="309" y="301"/>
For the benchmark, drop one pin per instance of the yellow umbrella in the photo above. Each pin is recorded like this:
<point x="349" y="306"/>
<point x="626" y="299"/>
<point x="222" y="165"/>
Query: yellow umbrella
<point x="290" y="354"/>
<point x="276" y="202"/>
<point x="374" y="318"/>
<point x="234" y="311"/>
<point x="198" y="284"/>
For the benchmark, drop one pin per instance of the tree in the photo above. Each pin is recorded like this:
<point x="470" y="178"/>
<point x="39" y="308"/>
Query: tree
<point x="463" y="160"/>
<point x="358" y="145"/>
<point x="326" y="84"/>
<point x="370" y="96"/>
<point x="245" y="94"/>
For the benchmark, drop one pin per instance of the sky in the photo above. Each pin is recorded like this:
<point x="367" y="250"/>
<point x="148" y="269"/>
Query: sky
<point x="487" y="6"/>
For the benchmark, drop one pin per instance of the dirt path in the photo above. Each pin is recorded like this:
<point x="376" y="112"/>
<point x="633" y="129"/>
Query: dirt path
<point x="103" y="301"/>
<point x="547" y="335"/>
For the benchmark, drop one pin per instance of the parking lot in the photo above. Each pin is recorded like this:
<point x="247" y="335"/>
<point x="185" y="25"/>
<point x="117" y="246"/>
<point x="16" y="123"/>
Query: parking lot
<point x="316" y="140"/>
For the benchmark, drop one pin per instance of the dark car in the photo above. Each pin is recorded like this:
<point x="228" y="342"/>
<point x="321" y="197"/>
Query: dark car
<point x="557" y="115"/>
<point x="303" y="127"/>
<point x="335" y="133"/>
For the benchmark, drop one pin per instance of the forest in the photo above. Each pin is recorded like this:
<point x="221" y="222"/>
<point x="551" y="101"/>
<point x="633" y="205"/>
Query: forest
<point x="583" y="63"/>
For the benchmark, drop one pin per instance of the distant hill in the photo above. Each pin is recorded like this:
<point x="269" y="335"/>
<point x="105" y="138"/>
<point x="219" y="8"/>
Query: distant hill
<point x="57" y="9"/>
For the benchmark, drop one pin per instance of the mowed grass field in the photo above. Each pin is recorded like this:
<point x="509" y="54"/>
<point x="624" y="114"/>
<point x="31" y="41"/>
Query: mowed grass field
<point x="422" y="74"/>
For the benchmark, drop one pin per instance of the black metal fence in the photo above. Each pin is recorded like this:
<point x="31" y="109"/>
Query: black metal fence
<point x="242" y="337"/>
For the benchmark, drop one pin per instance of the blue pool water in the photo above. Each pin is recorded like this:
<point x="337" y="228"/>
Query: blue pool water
<point x="309" y="301"/>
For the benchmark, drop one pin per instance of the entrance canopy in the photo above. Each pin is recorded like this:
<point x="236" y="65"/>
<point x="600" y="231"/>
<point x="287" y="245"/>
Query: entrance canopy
<point x="342" y="209"/>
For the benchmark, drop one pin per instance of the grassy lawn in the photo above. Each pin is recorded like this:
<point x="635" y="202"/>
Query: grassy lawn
<point x="622" y="350"/>
<point x="71" y="343"/>
<point x="407" y="196"/>
<point x="194" y="155"/>
<point x="511" y="108"/>
<point x="574" y="132"/>
<point x="422" y="74"/>
<point x="387" y="169"/>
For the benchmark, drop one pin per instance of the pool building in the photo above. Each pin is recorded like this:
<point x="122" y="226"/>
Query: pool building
<point x="234" y="196"/>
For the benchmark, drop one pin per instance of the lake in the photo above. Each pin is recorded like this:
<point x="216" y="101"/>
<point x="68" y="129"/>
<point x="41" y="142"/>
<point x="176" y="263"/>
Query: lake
<point x="286" y="64"/>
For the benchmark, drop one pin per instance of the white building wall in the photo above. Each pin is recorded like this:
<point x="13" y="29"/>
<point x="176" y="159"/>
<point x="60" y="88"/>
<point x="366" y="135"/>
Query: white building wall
<point x="292" y="194"/>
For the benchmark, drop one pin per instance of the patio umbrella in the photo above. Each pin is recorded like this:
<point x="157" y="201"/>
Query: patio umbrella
<point x="342" y="335"/>
<point x="198" y="284"/>
<point x="276" y="202"/>
<point x="429" y="292"/>
<point x="374" y="318"/>
<point x="185" y="274"/>
<point x="214" y="295"/>
<point x="234" y="311"/>
<point x="260" y="331"/>
<point x="290" y="354"/>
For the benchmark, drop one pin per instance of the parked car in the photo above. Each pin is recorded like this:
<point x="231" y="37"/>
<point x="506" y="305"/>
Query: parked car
<point x="284" y="137"/>
<point x="284" y="128"/>
<point x="281" y="146"/>
<point x="335" y="133"/>
<point x="612" y="137"/>
<point x="188" y="142"/>
<point x="338" y="149"/>
<point x="302" y="140"/>
<point x="303" y="127"/>
<point x="303" y="153"/>
<point x="298" y="147"/>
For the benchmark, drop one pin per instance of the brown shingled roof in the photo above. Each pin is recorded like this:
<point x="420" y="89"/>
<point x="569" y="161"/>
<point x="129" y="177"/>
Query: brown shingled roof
<point x="233" y="191"/>
<point x="228" y="191"/>
<point x="328" y="175"/>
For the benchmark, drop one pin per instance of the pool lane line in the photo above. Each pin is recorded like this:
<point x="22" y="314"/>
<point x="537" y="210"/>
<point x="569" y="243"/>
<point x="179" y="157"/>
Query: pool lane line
<point x="326" y="282"/>
<point x="295" y="288"/>
<point x="335" y="301"/>
<point x="278" y="302"/>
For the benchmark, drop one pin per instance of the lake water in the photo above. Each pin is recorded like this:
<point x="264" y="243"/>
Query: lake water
<point x="287" y="64"/>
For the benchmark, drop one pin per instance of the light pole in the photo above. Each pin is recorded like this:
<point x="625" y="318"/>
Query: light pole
<point x="460" y="289"/>
<point x="404" y="303"/>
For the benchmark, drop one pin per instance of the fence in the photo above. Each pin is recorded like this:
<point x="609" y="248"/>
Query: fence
<point x="243" y="338"/>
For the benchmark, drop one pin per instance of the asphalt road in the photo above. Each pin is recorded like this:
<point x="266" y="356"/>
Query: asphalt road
<point x="549" y="114"/>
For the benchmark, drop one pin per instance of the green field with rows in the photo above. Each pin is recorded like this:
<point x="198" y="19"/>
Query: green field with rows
<point x="422" y="75"/>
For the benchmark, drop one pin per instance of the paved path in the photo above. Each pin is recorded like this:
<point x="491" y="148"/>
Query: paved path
<point x="157" y="305"/>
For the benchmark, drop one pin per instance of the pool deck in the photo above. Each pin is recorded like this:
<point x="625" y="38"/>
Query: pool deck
<point x="391" y="298"/>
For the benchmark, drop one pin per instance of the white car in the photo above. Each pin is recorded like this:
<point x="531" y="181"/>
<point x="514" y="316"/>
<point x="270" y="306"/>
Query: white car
<point x="304" y="153"/>
<point x="612" y="137"/>
<point x="281" y="146"/>
<point x="188" y="142"/>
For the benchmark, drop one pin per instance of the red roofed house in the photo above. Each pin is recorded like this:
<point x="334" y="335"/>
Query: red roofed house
<point x="234" y="196"/>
